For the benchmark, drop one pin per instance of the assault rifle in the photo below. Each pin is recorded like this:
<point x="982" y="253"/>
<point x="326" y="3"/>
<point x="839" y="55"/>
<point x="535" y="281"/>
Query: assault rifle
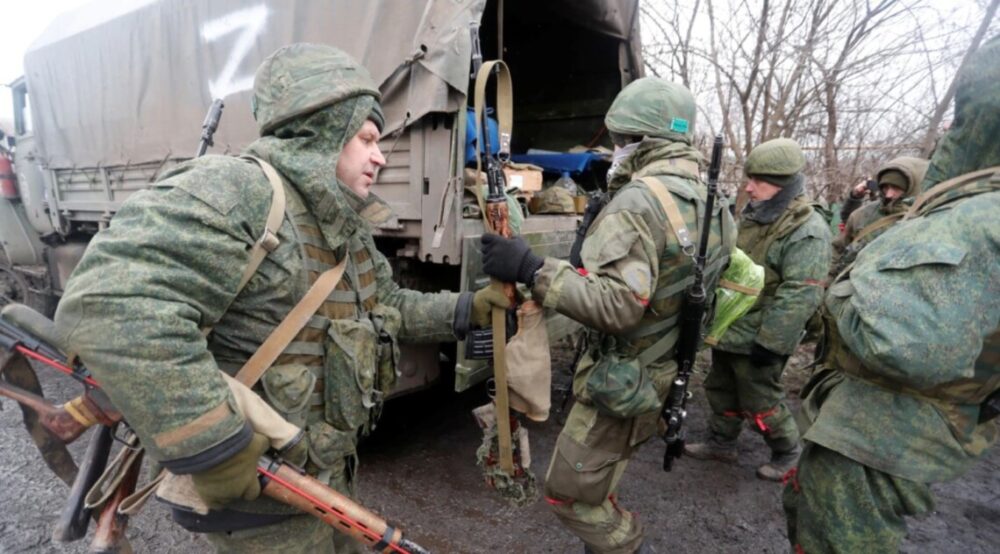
<point x="279" y="480"/>
<point x="209" y="126"/>
<point x="674" y="410"/>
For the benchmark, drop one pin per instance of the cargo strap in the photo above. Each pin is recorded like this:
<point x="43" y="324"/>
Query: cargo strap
<point x="505" y="120"/>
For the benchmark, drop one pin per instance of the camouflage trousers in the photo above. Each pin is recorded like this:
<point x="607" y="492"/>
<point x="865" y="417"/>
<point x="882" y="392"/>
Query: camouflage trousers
<point x="836" y="505"/>
<point x="737" y="390"/>
<point x="300" y="534"/>
<point x="591" y="455"/>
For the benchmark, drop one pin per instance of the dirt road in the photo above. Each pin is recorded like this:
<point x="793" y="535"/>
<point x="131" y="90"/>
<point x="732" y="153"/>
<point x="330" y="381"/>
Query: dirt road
<point x="419" y="470"/>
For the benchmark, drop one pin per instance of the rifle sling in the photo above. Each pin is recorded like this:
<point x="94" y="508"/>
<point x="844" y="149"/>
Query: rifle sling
<point x="505" y="119"/>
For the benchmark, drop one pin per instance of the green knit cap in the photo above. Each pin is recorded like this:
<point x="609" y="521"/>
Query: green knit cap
<point x="777" y="161"/>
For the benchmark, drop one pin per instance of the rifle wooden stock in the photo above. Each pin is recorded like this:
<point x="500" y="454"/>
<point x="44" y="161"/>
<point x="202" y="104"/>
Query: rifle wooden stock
<point x="288" y="486"/>
<point x="55" y="419"/>
<point x="60" y="419"/>
<point x="75" y="517"/>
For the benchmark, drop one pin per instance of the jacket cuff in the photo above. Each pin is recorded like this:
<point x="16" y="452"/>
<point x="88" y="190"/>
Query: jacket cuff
<point x="461" y="323"/>
<point x="213" y="456"/>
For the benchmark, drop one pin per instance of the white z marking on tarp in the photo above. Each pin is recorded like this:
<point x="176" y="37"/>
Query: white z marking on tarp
<point x="249" y="22"/>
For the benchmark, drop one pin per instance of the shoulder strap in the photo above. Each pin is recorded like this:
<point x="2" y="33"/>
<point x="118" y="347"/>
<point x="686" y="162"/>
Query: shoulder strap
<point x="946" y="186"/>
<point x="674" y="217"/>
<point x="296" y="319"/>
<point x="268" y="240"/>
<point x="876" y="225"/>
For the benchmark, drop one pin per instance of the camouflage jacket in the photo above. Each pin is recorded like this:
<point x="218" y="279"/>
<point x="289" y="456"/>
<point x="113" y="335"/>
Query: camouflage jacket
<point x="912" y="316"/>
<point x="795" y="253"/>
<point x="169" y="264"/>
<point x="631" y="286"/>
<point x="848" y="243"/>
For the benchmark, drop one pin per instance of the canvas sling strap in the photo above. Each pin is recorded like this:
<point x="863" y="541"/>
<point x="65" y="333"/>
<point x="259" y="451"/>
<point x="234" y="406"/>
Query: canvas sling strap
<point x="275" y="343"/>
<point x="505" y="119"/>
<point x="505" y="123"/>
<point x="927" y="198"/>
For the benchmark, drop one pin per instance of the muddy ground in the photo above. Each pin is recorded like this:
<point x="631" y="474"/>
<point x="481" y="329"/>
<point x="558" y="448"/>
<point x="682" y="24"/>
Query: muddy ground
<point x="419" y="470"/>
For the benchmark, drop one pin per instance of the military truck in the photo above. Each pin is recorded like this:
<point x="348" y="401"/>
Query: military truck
<point x="114" y="94"/>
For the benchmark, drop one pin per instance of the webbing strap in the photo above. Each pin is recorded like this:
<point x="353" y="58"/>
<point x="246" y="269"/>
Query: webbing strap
<point x="674" y="217"/>
<point x="659" y="348"/>
<point x="946" y="186"/>
<point x="505" y="446"/>
<point x="289" y="327"/>
<point x="731" y="285"/>
<point x="880" y="223"/>
<point x="268" y="240"/>
<point x="505" y="119"/>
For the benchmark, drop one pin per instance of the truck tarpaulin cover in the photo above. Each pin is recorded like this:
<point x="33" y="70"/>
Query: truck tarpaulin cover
<point x="128" y="81"/>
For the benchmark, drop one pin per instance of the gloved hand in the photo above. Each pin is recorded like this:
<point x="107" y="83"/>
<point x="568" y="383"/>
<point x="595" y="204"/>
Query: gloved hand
<point x="760" y="356"/>
<point x="235" y="478"/>
<point x="298" y="453"/>
<point x="483" y="302"/>
<point x="509" y="260"/>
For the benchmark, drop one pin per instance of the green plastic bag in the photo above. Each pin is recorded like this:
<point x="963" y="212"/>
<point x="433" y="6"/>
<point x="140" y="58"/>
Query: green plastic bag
<point x="738" y="290"/>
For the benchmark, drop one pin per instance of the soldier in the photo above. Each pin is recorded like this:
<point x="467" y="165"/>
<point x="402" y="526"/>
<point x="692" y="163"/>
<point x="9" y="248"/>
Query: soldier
<point x="628" y="293"/>
<point x="898" y="180"/>
<point x="169" y="266"/>
<point x="913" y="347"/>
<point x="781" y="231"/>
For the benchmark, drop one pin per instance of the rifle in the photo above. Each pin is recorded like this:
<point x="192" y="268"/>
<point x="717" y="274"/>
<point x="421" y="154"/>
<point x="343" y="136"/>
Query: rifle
<point x="674" y="410"/>
<point x="279" y="480"/>
<point x="209" y="126"/>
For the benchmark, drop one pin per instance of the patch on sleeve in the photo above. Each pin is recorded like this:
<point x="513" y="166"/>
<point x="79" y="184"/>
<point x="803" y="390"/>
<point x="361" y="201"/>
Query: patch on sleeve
<point x="639" y="280"/>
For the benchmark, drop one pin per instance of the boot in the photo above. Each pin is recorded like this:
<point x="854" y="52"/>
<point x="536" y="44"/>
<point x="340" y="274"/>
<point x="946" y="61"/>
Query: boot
<point x="780" y="464"/>
<point x="714" y="448"/>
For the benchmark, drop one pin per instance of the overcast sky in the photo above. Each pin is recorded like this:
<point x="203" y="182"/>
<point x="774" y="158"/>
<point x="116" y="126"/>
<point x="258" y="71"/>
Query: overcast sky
<point x="24" y="21"/>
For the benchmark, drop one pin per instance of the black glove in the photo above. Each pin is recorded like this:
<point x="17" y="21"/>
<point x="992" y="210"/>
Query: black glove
<point x="760" y="356"/>
<point x="509" y="260"/>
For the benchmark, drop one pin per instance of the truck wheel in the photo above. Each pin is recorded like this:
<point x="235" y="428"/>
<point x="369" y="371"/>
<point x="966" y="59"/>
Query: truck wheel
<point x="13" y="287"/>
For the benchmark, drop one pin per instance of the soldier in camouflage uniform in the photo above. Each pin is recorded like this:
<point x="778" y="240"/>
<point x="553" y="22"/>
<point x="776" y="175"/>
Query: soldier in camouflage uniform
<point x="629" y="294"/>
<point x="898" y="181"/>
<point x="169" y="265"/>
<point x="781" y="231"/>
<point x="913" y="342"/>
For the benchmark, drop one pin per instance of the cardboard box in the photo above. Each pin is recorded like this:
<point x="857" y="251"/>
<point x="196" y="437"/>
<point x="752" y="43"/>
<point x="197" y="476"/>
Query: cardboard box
<point x="526" y="177"/>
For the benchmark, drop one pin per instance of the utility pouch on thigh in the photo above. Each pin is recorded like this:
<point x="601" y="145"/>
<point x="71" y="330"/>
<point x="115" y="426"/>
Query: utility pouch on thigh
<point x="349" y="373"/>
<point x="288" y="388"/>
<point x="386" y="322"/>
<point x="619" y="387"/>
<point x="581" y="473"/>
<point x="328" y="446"/>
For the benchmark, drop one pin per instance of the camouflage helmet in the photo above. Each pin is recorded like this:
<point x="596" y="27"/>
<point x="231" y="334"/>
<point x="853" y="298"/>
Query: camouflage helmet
<point x="301" y="78"/>
<point x="776" y="161"/>
<point x="653" y="107"/>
